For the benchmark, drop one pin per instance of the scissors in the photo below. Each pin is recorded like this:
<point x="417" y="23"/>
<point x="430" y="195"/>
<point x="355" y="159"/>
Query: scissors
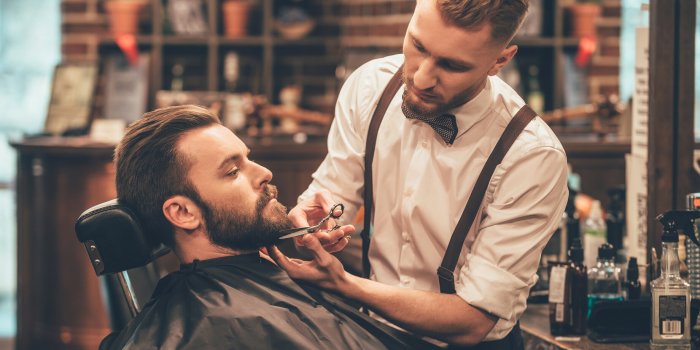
<point x="298" y="231"/>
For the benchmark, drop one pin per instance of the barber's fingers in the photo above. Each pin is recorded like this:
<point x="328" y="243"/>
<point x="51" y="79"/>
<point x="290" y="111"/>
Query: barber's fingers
<point x="330" y="237"/>
<point x="282" y="260"/>
<point x="334" y="241"/>
<point x="321" y="256"/>
<point x="337" y="246"/>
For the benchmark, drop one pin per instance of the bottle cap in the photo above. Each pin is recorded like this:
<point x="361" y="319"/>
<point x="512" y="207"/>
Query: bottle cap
<point x="670" y="233"/>
<point x="606" y="251"/>
<point x="632" y="269"/>
<point x="576" y="251"/>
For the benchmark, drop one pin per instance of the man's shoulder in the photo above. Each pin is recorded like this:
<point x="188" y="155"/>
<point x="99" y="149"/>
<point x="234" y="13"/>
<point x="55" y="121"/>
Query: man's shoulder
<point x="383" y="66"/>
<point x="373" y="75"/>
<point x="507" y="103"/>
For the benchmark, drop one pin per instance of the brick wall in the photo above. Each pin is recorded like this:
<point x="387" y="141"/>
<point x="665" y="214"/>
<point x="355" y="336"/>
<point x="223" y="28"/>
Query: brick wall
<point x="82" y="24"/>
<point x="604" y="72"/>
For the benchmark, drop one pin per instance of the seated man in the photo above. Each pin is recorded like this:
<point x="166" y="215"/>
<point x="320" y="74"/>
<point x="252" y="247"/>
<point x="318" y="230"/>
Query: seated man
<point x="191" y="183"/>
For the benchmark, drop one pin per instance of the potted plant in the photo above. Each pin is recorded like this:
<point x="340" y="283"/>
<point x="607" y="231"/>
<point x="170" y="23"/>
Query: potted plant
<point x="124" y="15"/>
<point x="584" y="16"/>
<point x="235" y="15"/>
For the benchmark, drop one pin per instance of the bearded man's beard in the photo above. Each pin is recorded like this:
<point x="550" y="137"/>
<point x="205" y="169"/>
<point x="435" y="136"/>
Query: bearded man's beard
<point x="412" y="109"/>
<point x="239" y="231"/>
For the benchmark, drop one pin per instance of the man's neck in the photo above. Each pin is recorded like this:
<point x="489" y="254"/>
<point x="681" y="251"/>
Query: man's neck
<point x="197" y="246"/>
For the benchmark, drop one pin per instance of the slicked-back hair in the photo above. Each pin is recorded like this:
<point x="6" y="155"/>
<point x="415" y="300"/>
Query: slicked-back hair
<point x="149" y="169"/>
<point x="504" y="16"/>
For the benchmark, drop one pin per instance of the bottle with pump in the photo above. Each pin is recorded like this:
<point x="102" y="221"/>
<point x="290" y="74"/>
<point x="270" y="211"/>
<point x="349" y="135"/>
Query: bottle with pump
<point x="670" y="294"/>
<point x="579" y="288"/>
<point x="604" y="278"/>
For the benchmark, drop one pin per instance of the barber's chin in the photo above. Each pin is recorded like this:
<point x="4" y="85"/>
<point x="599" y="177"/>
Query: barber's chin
<point x="421" y="107"/>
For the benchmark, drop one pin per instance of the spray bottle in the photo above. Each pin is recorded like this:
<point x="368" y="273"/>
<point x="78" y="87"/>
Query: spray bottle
<point x="670" y="293"/>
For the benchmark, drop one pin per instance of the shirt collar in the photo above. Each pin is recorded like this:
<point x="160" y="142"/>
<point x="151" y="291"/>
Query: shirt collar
<point x="473" y="111"/>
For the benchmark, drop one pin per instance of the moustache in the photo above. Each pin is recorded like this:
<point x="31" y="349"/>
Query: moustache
<point x="268" y="193"/>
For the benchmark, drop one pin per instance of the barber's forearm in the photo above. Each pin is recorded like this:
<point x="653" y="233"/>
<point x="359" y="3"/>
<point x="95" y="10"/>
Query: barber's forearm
<point x="442" y="316"/>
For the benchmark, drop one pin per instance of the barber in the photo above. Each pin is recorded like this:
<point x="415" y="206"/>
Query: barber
<point x="438" y="131"/>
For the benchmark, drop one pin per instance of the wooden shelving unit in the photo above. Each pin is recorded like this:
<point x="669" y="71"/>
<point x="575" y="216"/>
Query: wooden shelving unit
<point x="258" y="52"/>
<point x="547" y="51"/>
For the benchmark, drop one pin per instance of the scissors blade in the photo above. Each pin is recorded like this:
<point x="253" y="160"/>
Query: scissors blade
<point x="297" y="233"/>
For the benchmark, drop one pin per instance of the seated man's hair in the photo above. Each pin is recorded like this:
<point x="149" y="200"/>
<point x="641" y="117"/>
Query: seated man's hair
<point x="149" y="168"/>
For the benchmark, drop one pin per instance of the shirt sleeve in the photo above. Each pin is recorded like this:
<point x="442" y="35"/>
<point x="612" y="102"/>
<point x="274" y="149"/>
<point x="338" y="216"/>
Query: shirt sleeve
<point x="518" y="220"/>
<point x="342" y="171"/>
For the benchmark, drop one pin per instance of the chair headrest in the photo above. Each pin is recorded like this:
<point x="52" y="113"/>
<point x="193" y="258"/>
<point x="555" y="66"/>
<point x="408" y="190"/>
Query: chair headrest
<point x="114" y="238"/>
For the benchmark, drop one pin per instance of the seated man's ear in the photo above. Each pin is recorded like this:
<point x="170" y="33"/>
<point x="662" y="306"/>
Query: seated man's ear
<point x="182" y="212"/>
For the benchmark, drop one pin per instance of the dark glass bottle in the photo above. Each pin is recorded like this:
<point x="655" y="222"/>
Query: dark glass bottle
<point x="615" y="216"/>
<point x="579" y="288"/>
<point x="560" y="275"/>
<point x="573" y="222"/>
<point x="634" y="289"/>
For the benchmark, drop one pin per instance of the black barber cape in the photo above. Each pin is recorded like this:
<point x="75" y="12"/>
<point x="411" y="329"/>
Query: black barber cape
<point x="247" y="302"/>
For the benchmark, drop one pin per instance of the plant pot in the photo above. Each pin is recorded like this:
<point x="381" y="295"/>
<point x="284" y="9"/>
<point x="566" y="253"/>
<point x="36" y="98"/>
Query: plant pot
<point x="235" y="18"/>
<point x="584" y="17"/>
<point x="124" y="15"/>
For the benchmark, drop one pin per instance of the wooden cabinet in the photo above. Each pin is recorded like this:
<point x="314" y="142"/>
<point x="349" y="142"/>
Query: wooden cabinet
<point x="59" y="304"/>
<point x="58" y="298"/>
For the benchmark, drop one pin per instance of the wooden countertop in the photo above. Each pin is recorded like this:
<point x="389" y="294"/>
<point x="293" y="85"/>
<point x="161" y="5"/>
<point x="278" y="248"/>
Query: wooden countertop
<point x="535" y="324"/>
<point x="84" y="146"/>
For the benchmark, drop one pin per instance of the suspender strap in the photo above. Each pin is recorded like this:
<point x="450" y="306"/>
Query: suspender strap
<point x="449" y="261"/>
<point x="391" y="88"/>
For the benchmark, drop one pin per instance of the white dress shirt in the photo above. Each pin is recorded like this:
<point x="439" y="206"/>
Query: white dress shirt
<point x="421" y="187"/>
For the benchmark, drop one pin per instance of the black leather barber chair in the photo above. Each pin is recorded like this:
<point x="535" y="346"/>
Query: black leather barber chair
<point x="121" y="255"/>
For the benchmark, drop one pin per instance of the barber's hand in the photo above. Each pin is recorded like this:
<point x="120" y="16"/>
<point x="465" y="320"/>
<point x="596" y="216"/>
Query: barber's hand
<point x="324" y="270"/>
<point x="310" y="211"/>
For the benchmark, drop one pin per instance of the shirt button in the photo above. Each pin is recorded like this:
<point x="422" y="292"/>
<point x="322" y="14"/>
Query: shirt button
<point x="424" y="143"/>
<point x="405" y="236"/>
<point x="405" y="281"/>
<point x="408" y="192"/>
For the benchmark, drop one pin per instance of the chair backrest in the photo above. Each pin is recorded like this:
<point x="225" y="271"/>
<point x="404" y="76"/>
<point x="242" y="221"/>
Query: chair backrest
<point x="114" y="238"/>
<point x="122" y="256"/>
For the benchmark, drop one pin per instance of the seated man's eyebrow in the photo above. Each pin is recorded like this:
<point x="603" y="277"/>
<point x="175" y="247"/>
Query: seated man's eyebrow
<point x="232" y="159"/>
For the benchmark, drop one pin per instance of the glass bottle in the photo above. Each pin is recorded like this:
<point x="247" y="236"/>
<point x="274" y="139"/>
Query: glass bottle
<point x="604" y="278"/>
<point x="670" y="295"/>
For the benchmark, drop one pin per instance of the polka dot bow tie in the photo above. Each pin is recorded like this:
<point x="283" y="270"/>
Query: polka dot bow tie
<point x="444" y="125"/>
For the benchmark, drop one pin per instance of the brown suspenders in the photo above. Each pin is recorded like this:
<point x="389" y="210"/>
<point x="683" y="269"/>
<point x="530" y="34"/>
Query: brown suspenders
<point x="449" y="262"/>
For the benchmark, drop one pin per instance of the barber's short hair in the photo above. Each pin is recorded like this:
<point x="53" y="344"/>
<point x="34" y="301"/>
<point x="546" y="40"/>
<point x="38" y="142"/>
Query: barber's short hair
<point x="504" y="16"/>
<point x="149" y="169"/>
